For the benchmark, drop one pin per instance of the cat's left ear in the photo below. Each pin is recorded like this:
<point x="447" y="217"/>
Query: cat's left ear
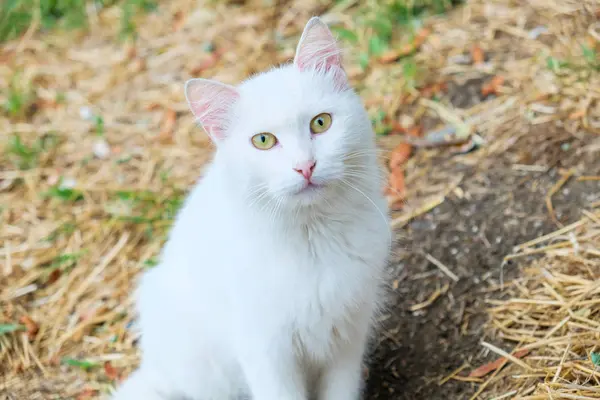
<point x="212" y="103"/>
<point x="318" y="49"/>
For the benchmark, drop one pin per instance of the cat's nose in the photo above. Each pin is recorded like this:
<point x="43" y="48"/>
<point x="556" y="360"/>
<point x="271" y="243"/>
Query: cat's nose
<point x="306" y="169"/>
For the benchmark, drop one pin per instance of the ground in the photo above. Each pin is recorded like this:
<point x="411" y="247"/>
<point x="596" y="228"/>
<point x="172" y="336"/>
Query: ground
<point x="100" y="150"/>
<point x="504" y="208"/>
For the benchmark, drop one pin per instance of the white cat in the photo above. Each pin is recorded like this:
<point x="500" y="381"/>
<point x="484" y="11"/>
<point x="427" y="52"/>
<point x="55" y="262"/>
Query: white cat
<point x="268" y="285"/>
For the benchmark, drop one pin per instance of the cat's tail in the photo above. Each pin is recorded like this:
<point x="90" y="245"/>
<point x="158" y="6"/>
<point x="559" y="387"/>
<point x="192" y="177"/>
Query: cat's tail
<point x="141" y="385"/>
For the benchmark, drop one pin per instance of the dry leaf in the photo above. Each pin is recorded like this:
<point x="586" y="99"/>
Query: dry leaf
<point x="431" y="90"/>
<point x="131" y="52"/>
<point x="178" y="21"/>
<point x="30" y="325"/>
<point x="494" y="365"/>
<point x="477" y="55"/>
<point x="110" y="371"/>
<point x="392" y="55"/>
<point x="400" y="154"/>
<point x="86" y="394"/>
<point x="395" y="202"/>
<point x="396" y="181"/>
<point x="209" y="62"/>
<point x="153" y="106"/>
<point x="492" y="86"/>
<point x="46" y="103"/>
<point x="421" y="36"/>
<point x="166" y="132"/>
<point x="409" y="48"/>
<point x="415" y="131"/>
<point x="542" y="96"/>
<point x="18" y="368"/>
<point x="54" y="275"/>
<point x="397" y="128"/>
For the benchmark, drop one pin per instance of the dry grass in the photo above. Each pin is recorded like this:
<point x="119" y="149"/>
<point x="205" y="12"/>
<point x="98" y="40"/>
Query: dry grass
<point x="551" y="317"/>
<point x="102" y="149"/>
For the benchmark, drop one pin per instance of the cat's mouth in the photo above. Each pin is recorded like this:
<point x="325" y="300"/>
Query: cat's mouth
<point x="310" y="188"/>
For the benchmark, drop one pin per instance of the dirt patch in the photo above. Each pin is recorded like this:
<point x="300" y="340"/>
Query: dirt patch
<point x="495" y="209"/>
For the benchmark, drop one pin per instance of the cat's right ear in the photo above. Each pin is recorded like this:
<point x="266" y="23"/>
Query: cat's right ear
<point x="211" y="103"/>
<point x="319" y="50"/>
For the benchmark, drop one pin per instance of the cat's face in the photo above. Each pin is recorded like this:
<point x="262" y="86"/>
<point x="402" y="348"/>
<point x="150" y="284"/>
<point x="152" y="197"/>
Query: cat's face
<point x="295" y="133"/>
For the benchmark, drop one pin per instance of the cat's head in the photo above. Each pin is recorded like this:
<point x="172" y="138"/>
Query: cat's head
<point x="297" y="133"/>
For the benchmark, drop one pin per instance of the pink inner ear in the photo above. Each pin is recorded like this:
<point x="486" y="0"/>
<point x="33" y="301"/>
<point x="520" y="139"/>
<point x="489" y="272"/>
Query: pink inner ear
<point x="317" y="48"/>
<point x="211" y="103"/>
<point x="340" y="79"/>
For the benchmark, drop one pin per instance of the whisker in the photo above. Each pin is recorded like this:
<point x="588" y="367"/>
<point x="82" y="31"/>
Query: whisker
<point x="258" y="198"/>
<point x="367" y="177"/>
<point x="353" y="155"/>
<point x="383" y="216"/>
<point x="267" y="204"/>
<point x="369" y="151"/>
<point x="255" y="189"/>
<point x="276" y="209"/>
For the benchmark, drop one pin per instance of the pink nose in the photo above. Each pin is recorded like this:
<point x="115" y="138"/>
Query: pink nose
<point x="306" y="169"/>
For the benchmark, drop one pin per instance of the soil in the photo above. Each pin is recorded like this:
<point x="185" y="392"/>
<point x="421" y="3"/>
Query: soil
<point x="500" y="207"/>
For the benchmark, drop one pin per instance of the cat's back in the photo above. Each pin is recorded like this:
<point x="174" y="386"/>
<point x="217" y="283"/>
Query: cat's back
<point x="191" y="262"/>
<point x="199" y="241"/>
<point x="205" y="217"/>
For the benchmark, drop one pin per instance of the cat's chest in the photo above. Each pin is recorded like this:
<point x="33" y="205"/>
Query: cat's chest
<point x="325" y="283"/>
<point x="314" y="280"/>
<point x="324" y="313"/>
<point x="325" y="262"/>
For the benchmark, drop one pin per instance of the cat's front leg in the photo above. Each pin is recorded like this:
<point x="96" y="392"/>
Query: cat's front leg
<point x="342" y="378"/>
<point x="273" y="373"/>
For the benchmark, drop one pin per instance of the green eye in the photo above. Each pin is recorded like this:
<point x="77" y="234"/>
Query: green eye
<point x="320" y="123"/>
<point x="264" y="141"/>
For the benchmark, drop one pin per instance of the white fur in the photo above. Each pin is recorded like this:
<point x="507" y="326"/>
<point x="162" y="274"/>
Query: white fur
<point x="263" y="292"/>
